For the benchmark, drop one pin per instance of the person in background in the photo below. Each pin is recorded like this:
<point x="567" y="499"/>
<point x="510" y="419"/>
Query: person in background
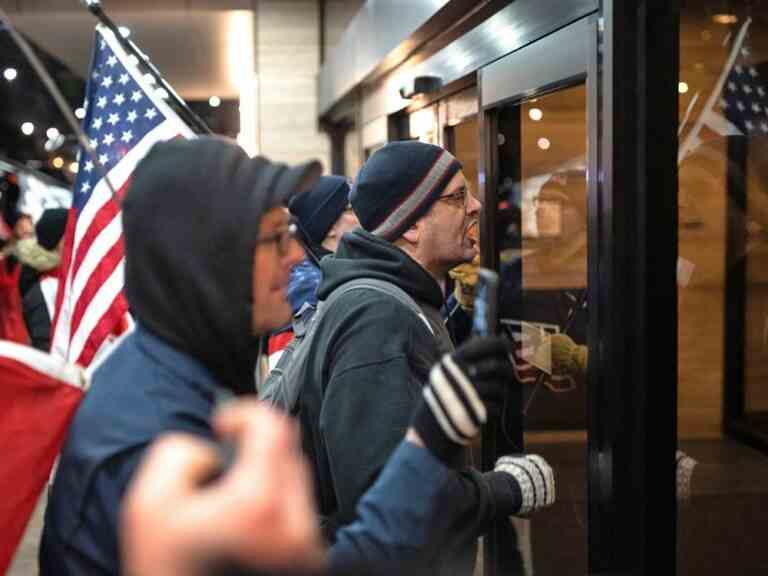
<point x="323" y="215"/>
<point x="40" y="300"/>
<point x="11" y="318"/>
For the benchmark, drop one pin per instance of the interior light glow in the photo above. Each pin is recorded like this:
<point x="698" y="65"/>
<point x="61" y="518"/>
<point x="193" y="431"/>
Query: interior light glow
<point x="58" y="162"/>
<point x="10" y="74"/>
<point x="725" y="18"/>
<point x="214" y="101"/>
<point x="74" y="167"/>
<point x="80" y="113"/>
<point x="52" y="133"/>
<point x="27" y="128"/>
<point x="535" y="114"/>
<point x="241" y="69"/>
<point x="682" y="87"/>
<point x="544" y="143"/>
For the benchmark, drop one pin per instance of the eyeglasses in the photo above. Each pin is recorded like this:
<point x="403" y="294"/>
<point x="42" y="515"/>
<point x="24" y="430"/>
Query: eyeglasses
<point x="458" y="198"/>
<point x="283" y="238"/>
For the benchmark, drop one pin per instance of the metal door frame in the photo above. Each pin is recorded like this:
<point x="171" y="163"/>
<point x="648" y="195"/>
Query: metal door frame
<point x="631" y="73"/>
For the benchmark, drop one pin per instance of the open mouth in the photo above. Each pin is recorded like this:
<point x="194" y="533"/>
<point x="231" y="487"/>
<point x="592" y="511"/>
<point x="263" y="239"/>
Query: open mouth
<point x="471" y="231"/>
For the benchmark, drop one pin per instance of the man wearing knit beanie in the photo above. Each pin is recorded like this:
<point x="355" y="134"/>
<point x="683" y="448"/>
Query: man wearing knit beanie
<point x="323" y="215"/>
<point x="370" y="352"/>
<point x="40" y="298"/>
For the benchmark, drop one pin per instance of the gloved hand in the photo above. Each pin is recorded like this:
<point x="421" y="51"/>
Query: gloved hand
<point x="521" y="484"/>
<point x="568" y="358"/>
<point x="684" y="466"/>
<point x="463" y="387"/>
<point x="465" y="276"/>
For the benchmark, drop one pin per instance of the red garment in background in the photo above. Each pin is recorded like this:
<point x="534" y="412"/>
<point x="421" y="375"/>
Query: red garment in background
<point x="38" y="398"/>
<point x="12" y="325"/>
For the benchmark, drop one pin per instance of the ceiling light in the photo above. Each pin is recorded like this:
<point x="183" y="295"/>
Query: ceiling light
<point x="535" y="114"/>
<point x="52" y="133"/>
<point x="74" y="167"/>
<point x="214" y="101"/>
<point x="725" y="18"/>
<point x="682" y="87"/>
<point x="80" y="113"/>
<point x="10" y="74"/>
<point x="58" y="162"/>
<point x="27" y="128"/>
<point x="544" y="143"/>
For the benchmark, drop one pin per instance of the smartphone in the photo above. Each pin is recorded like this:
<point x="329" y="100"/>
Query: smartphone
<point x="486" y="299"/>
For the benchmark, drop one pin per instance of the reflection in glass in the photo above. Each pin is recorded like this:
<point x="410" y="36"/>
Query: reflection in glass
<point x="723" y="285"/>
<point x="542" y="241"/>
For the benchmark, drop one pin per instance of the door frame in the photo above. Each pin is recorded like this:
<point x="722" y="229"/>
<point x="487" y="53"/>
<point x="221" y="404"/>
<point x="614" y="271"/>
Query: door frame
<point x="630" y="65"/>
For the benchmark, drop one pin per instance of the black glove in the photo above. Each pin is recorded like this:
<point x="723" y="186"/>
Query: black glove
<point x="521" y="484"/>
<point x="463" y="388"/>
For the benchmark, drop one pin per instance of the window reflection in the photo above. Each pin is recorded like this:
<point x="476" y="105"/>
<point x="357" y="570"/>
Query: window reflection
<point x="542" y="240"/>
<point x="723" y="284"/>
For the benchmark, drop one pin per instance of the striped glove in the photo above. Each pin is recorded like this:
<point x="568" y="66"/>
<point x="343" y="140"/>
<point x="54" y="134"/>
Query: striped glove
<point x="521" y="485"/>
<point x="463" y="388"/>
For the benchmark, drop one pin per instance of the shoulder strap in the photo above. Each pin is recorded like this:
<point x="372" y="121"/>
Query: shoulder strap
<point x="282" y="387"/>
<point x="387" y="288"/>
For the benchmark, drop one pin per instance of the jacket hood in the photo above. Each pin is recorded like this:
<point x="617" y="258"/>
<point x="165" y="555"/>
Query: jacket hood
<point x="360" y="254"/>
<point x="190" y="224"/>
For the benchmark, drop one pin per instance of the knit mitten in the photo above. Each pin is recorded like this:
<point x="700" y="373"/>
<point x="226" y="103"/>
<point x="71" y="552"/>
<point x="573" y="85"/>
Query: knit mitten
<point x="463" y="387"/>
<point x="568" y="358"/>
<point x="521" y="484"/>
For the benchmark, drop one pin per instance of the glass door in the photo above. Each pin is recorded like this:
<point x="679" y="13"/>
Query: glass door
<point x="537" y="161"/>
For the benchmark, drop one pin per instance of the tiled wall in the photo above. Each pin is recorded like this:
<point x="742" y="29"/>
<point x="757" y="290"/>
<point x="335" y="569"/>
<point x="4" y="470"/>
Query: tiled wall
<point x="287" y="63"/>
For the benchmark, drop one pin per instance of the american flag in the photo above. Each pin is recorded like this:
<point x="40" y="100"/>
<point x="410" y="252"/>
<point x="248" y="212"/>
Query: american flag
<point x="738" y="104"/>
<point x="745" y="99"/>
<point x="125" y="116"/>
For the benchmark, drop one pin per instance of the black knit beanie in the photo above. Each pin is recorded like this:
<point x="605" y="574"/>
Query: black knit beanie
<point x="50" y="227"/>
<point x="318" y="209"/>
<point x="399" y="184"/>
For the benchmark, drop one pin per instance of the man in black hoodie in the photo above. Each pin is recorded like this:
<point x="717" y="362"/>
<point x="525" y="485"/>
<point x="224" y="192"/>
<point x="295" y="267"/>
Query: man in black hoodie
<point x="208" y="248"/>
<point x="370" y="352"/>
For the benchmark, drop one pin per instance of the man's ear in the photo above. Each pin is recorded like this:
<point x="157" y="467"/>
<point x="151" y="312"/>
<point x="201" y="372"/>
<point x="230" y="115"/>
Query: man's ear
<point x="413" y="233"/>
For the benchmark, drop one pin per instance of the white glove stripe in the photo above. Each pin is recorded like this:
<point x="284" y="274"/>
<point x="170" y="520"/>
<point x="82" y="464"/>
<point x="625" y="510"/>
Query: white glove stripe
<point x="455" y="409"/>
<point x="549" y="476"/>
<point x="544" y="482"/>
<point x="534" y="477"/>
<point x="441" y="418"/>
<point x="467" y="388"/>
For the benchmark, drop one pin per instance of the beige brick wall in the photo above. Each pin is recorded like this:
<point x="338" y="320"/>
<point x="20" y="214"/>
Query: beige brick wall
<point x="287" y="64"/>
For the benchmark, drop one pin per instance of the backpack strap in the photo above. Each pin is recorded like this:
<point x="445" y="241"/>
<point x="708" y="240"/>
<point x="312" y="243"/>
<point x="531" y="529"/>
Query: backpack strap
<point x="282" y="387"/>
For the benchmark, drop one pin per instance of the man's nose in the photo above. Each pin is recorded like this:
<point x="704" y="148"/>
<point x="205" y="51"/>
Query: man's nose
<point x="473" y="204"/>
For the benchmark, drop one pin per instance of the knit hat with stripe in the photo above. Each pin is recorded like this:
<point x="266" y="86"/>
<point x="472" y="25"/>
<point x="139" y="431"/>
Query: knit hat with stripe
<point x="399" y="184"/>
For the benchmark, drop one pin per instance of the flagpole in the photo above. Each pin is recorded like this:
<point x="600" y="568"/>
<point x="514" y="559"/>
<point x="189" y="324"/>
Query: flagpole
<point x="58" y="98"/>
<point x="692" y="138"/>
<point x="192" y="119"/>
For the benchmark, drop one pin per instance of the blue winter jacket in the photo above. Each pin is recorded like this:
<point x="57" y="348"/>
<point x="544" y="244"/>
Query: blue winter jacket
<point x="146" y="388"/>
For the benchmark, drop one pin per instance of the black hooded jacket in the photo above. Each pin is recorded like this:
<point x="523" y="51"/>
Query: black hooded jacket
<point x="368" y="361"/>
<point x="190" y="223"/>
<point x="188" y="275"/>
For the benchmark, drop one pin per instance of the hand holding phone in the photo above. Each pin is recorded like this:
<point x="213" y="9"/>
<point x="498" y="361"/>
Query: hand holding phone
<point x="486" y="301"/>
